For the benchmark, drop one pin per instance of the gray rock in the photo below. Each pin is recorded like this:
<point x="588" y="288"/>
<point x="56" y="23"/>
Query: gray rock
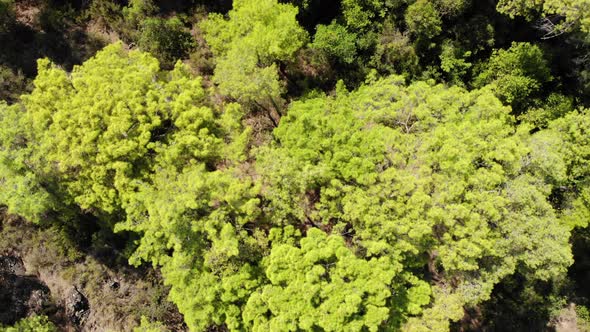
<point x="77" y="307"/>
<point x="11" y="265"/>
<point x="20" y="295"/>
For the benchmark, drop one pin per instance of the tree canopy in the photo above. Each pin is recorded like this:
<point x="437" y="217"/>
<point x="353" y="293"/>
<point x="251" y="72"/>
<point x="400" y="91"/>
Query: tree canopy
<point x="249" y="44"/>
<point x="423" y="171"/>
<point x="303" y="165"/>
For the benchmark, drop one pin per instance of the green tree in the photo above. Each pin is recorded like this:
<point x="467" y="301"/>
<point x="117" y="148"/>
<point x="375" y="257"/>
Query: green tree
<point x="93" y="127"/>
<point x="119" y="137"/>
<point x="138" y="10"/>
<point x="249" y="45"/>
<point x="362" y="14"/>
<point x="390" y="207"/>
<point x="516" y="74"/>
<point x="147" y="326"/>
<point x="453" y="62"/>
<point x="451" y="7"/>
<point x="526" y="8"/>
<point x="324" y="285"/>
<point x="95" y="131"/>
<point x="576" y="12"/>
<point x="31" y="324"/>
<point x="561" y="154"/>
<point x="336" y="41"/>
<point x="194" y="224"/>
<point x="542" y="112"/>
<point x="166" y="39"/>
<point x="423" y="20"/>
<point x="429" y="176"/>
<point x="394" y="53"/>
<point x="22" y="191"/>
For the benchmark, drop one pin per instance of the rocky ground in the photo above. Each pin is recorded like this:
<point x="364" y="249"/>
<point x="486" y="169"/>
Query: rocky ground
<point x="75" y="290"/>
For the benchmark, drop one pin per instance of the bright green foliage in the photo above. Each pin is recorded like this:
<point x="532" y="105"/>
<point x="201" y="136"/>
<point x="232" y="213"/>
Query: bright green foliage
<point x="147" y="326"/>
<point x="330" y="227"/>
<point x="245" y="80"/>
<point x="97" y="129"/>
<point x="94" y="126"/>
<point x="336" y="41"/>
<point x="525" y="8"/>
<point x="202" y="216"/>
<point x="138" y="10"/>
<point x="516" y="74"/>
<point x="31" y="324"/>
<point x="394" y="206"/>
<point x="563" y="155"/>
<point x="544" y="111"/>
<point x="447" y="306"/>
<point x="419" y="171"/>
<point x="321" y="285"/>
<point x="132" y="21"/>
<point x="268" y="28"/>
<point x="452" y="62"/>
<point x="248" y="45"/>
<point x="576" y="12"/>
<point x="451" y="7"/>
<point x="166" y="39"/>
<point x="423" y="20"/>
<point x="21" y="191"/>
<point x="118" y="135"/>
<point x="361" y="14"/>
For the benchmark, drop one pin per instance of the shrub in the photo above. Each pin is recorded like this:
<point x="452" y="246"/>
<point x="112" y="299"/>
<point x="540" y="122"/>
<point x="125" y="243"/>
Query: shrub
<point x="32" y="324"/>
<point x="336" y="41"/>
<point x="166" y="39"/>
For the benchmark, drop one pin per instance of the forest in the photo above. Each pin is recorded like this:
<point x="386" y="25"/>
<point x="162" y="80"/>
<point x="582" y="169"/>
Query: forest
<point x="294" y="165"/>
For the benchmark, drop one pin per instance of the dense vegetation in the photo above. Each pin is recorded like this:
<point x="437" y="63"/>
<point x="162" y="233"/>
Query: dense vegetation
<point x="358" y="165"/>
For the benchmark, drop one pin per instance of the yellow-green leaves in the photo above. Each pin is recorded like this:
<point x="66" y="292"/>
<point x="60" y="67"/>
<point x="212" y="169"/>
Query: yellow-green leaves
<point x="23" y="192"/>
<point x="100" y="128"/>
<point x="360" y="14"/>
<point x="516" y="74"/>
<point x="248" y="45"/>
<point x="195" y="224"/>
<point x="563" y="156"/>
<point x="93" y="126"/>
<point x="336" y="41"/>
<point x="424" y="175"/>
<point x="321" y="285"/>
<point x="91" y="136"/>
<point x="576" y="12"/>
<point x="389" y="207"/>
<point x="267" y="28"/>
<point x="423" y="20"/>
<point x="32" y="324"/>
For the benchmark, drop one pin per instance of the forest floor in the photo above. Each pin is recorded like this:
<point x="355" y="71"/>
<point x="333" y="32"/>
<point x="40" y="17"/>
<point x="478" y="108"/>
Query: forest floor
<point x="42" y="272"/>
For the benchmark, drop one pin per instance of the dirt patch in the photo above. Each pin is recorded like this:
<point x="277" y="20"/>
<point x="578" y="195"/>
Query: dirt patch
<point x="567" y="321"/>
<point x="27" y="12"/>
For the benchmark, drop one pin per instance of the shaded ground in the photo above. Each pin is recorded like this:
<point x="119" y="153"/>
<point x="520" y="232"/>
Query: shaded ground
<point x="42" y="272"/>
